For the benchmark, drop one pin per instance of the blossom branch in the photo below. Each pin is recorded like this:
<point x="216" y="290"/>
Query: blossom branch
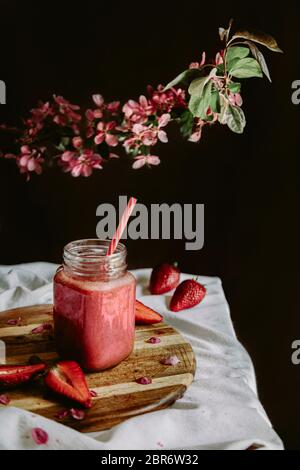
<point x="79" y="142"/>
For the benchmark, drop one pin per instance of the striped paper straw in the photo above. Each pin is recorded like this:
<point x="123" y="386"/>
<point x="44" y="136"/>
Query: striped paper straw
<point x="122" y="224"/>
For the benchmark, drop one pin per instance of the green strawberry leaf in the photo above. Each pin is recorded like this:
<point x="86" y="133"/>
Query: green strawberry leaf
<point x="235" y="119"/>
<point x="246" y="68"/>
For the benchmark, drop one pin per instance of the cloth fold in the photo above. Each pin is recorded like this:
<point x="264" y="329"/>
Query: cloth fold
<point x="220" y="410"/>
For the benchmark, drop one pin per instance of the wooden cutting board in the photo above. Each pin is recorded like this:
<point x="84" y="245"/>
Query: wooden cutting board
<point x="118" y="395"/>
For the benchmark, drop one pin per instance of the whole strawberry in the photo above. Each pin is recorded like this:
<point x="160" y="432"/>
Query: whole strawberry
<point x="164" y="278"/>
<point x="188" y="294"/>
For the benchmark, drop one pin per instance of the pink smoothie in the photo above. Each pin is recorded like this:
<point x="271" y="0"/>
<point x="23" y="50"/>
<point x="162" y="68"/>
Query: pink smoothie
<point x="94" y="320"/>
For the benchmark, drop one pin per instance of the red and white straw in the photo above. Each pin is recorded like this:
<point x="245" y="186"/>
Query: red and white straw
<point x="122" y="224"/>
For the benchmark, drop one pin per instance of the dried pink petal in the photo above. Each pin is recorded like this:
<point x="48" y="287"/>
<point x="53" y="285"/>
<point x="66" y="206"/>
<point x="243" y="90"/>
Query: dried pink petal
<point x="93" y="393"/>
<point x="39" y="436"/>
<point x="170" y="361"/>
<point x="154" y="340"/>
<point x="41" y="328"/>
<point x="61" y="414"/>
<point x="14" y="321"/>
<point x="144" y="380"/>
<point x="77" y="414"/>
<point x="4" y="400"/>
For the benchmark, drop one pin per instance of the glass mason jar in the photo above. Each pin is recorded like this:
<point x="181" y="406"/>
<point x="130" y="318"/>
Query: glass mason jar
<point x="94" y="305"/>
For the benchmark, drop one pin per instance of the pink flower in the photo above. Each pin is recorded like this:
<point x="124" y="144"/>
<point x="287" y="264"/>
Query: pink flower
<point x="162" y="122"/>
<point x="148" y="160"/>
<point x="144" y="134"/>
<point x="113" y="107"/>
<point x="92" y="114"/>
<point x="30" y="160"/>
<point x="219" y="58"/>
<point x="37" y="120"/>
<point x="39" y="436"/>
<point x="197" y="65"/>
<point x="66" y="112"/>
<point x="104" y="134"/>
<point x="147" y="135"/>
<point x="42" y="111"/>
<point x="77" y="142"/>
<point x="165" y="101"/>
<point x="98" y="100"/>
<point x="81" y="163"/>
<point x="196" y="136"/>
<point x="235" y="99"/>
<point x="199" y="124"/>
<point x="138" y="112"/>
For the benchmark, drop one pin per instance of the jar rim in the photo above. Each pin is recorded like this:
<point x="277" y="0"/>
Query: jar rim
<point x="88" y="257"/>
<point x="72" y="249"/>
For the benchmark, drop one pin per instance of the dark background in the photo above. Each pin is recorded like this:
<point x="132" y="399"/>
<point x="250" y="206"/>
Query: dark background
<point x="248" y="183"/>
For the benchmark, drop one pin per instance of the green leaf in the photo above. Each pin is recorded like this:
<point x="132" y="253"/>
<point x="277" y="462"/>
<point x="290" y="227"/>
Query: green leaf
<point x="261" y="38"/>
<point x="198" y="104"/>
<point x="197" y="85"/>
<point x="184" y="77"/>
<point x="215" y="101"/>
<point x="258" y="55"/>
<point x="246" y="68"/>
<point x="235" y="52"/>
<point x="220" y="70"/>
<point x="187" y="122"/>
<point x="234" y="87"/>
<point x="224" y="103"/>
<point x="235" y="119"/>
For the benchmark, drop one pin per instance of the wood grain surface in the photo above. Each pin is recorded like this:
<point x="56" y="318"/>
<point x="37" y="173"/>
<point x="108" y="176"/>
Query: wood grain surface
<point x="119" y="396"/>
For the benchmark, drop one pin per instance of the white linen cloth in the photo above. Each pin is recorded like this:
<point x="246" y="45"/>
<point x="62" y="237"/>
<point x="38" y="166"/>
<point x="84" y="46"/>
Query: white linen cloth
<point x="220" y="410"/>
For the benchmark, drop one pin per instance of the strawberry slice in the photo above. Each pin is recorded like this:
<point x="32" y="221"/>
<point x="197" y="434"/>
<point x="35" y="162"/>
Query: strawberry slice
<point x="67" y="378"/>
<point x="145" y="315"/>
<point x="15" y="375"/>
